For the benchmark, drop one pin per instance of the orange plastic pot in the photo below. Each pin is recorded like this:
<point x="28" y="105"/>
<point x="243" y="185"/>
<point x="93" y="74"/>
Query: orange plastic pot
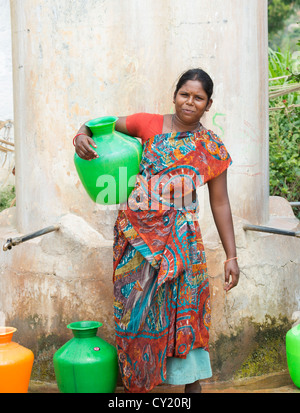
<point x="15" y="363"/>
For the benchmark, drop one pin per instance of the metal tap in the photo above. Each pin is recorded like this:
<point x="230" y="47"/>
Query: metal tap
<point x="11" y="242"/>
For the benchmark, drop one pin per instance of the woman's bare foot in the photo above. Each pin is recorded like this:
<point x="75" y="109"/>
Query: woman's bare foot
<point x="193" y="387"/>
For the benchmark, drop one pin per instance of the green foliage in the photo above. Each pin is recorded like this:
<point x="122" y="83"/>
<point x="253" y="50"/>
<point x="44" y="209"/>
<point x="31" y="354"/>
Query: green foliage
<point x="284" y="130"/>
<point x="283" y="23"/>
<point x="6" y="197"/>
<point x="278" y="12"/>
<point x="284" y="154"/>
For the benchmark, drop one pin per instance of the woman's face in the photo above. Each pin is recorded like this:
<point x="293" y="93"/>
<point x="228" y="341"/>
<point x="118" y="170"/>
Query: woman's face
<point x="191" y="102"/>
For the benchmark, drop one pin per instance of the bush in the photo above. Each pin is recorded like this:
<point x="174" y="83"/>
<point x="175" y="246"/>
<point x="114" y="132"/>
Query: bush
<point x="7" y="195"/>
<point x="284" y="154"/>
<point x="284" y="129"/>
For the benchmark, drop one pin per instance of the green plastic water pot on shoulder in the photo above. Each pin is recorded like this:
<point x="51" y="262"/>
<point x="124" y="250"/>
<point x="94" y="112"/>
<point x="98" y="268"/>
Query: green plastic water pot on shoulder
<point x="86" y="363"/>
<point x="293" y="353"/>
<point x="110" y="179"/>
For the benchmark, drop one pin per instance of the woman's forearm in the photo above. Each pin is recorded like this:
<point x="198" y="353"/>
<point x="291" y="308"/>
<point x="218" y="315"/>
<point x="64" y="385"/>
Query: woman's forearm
<point x="221" y="211"/>
<point x="84" y="129"/>
<point x="83" y="143"/>
<point x="223" y="220"/>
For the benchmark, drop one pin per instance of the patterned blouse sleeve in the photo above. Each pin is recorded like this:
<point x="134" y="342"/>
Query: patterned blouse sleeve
<point x="218" y="158"/>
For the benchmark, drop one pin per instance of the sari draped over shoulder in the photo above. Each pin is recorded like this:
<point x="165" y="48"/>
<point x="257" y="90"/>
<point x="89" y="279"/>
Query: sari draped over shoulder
<point x="161" y="290"/>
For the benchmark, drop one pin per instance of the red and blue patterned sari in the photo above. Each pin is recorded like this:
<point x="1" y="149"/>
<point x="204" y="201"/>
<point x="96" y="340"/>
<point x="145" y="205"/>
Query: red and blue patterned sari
<point x="161" y="306"/>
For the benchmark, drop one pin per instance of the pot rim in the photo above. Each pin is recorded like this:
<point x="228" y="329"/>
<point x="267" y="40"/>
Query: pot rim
<point x="102" y="121"/>
<point x="84" y="325"/>
<point x="7" y="330"/>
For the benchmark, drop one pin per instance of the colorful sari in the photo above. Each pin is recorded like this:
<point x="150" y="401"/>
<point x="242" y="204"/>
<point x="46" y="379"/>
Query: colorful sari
<point x="161" y="306"/>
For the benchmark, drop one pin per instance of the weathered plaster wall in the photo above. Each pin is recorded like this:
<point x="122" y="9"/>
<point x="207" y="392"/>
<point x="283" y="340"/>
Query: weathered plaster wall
<point x="78" y="60"/>
<point x="6" y="81"/>
<point x="6" y="93"/>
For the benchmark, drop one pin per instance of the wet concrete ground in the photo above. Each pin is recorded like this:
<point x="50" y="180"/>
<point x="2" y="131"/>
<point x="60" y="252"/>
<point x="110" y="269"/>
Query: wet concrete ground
<point x="272" y="383"/>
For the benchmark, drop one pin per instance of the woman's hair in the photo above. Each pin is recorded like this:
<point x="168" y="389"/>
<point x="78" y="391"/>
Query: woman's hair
<point x="201" y="76"/>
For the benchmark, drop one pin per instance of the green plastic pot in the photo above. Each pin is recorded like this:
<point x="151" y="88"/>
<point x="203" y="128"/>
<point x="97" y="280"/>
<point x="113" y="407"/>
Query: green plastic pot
<point x="293" y="354"/>
<point x="110" y="179"/>
<point x="86" y="363"/>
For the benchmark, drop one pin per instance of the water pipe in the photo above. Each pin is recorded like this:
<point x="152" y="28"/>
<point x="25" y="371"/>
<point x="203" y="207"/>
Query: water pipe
<point x="11" y="242"/>
<point x="278" y="231"/>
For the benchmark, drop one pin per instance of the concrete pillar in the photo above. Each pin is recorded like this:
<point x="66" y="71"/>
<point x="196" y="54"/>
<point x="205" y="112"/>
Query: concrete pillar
<point x="78" y="60"/>
<point x="6" y="92"/>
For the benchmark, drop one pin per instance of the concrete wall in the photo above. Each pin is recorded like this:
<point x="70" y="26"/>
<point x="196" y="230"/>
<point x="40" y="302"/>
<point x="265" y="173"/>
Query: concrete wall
<point x="77" y="60"/>
<point x="6" y="81"/>
<point x="6" y="94"/>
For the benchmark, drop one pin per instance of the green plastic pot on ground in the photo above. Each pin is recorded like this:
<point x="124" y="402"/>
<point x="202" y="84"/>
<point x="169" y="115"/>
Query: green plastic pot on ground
<point x="293" y="353"/>
<point x="86" y="363"/>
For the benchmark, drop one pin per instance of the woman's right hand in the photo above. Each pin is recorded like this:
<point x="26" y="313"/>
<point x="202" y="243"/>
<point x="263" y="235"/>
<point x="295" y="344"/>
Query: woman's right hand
<point x="83" y="148"/>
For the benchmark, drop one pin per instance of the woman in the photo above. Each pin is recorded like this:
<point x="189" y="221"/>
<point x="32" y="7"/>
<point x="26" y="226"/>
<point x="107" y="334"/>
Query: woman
<point x="162" y="311"/>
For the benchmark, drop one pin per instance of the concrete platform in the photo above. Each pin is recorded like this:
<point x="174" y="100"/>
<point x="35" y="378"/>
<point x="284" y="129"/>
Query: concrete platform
<point x="272" y="383"/>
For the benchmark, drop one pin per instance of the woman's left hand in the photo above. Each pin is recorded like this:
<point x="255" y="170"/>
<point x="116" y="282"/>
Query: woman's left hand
<point x="231" y="270"/>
